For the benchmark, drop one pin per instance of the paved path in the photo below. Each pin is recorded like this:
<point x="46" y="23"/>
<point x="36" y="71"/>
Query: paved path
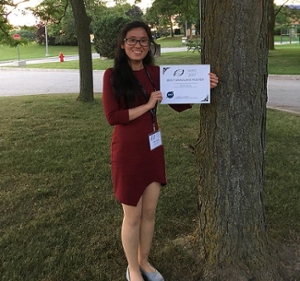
<point x="20" y="81"/>
<point x="284" y="93"/>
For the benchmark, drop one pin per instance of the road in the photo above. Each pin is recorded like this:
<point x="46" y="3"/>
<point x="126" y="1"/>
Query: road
<point x="283" y="91"/>
<point x="20" y="81"/>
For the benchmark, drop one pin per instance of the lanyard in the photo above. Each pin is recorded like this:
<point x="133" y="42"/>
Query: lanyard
<point x="153" y="110"/>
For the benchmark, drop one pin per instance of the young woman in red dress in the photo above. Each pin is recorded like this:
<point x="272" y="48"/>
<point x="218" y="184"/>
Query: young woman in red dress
<point x="130" y="95"/>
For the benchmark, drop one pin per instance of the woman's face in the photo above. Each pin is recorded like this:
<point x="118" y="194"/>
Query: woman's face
<point x="136" y="50"/>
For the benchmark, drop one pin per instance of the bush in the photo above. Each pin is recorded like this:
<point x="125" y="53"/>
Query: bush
<point x="106" y="31"/>
<point x="28" y="34"/>
<point x="194" y="45"/>
<point x="277" y="30"/>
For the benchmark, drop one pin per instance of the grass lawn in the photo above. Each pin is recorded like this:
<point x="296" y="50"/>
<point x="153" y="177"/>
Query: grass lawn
<point x="33" y="51"/>
<point x="58" y="216"/>
<point x="170" y="42"/>
<point x="100" y="64"/>
<point x="285" y="59"/>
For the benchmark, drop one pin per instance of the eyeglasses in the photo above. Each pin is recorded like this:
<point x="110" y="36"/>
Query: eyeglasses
<point x="133" y="41"/>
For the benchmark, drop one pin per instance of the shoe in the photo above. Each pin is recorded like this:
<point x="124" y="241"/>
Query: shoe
<point x="127" y="274"/>
<point x="152" y="276"/>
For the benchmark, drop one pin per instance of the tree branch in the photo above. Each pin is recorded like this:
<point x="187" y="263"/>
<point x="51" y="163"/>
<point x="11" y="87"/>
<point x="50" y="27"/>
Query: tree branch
<point x="280" y="7"/>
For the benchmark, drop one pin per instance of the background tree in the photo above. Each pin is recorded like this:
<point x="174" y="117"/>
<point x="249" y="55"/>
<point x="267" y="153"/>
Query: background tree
<point x="107" y="24"/>
<point x="272" y="16"/>
<point x="106" y="42"/>
<point x="166" y="10"/>
<point x="287" y="20"/>
<point x="162" y="14"/>
<point x="55" y="11"/>
<point x="82" y="26"/>
<point x="40" y="33"/>
<point x="188" y="14"/>
<point x="6" y="7"/>
<point x="273" y="12"/>
<point x="62" y="32"/>
<point x="5" y="27"/>
<point x="152" y="18"/>
<point x="135" y="12"/>
<point x="234" y="243"/>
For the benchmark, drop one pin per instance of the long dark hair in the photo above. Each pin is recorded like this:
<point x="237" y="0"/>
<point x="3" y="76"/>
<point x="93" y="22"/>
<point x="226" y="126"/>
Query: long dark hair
<point x="123" y="81"/>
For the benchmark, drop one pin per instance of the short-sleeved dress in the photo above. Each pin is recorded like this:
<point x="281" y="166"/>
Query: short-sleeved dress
<point x="134" y="165"/>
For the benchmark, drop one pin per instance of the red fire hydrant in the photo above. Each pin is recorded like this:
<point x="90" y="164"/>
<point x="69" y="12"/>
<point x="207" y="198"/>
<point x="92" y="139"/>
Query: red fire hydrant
<point x="61" y="57"/>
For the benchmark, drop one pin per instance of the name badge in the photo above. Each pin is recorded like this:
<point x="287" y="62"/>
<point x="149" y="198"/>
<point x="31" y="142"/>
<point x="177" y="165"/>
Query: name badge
<point x="155" y="139"/>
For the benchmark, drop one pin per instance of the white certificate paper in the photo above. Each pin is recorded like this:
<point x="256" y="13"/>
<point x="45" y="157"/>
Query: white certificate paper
<point x="185" y="83"/>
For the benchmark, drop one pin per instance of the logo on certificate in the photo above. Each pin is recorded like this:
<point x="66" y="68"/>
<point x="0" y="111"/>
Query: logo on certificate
<point x="170" y="94"/>
<point x="178" y="72"/>
<point x="165" y="69"/>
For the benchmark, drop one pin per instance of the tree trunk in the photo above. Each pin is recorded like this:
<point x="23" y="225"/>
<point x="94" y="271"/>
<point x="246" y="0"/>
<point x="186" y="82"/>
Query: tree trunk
<point x="230" y="149"/>
<point x="272" y="17"/>
<point x="82" y="24"/>
<point x="171" y="24"/>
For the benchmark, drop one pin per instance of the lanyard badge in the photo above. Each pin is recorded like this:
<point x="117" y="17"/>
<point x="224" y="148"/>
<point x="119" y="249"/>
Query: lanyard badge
<point x="155" y="139"/>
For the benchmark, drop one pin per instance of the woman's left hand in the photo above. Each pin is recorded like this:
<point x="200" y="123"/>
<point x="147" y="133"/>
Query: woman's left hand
<point x="213" y="80"/>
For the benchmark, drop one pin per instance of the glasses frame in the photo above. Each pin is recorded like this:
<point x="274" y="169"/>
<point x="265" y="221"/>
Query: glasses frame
<point x="137" y="41"/>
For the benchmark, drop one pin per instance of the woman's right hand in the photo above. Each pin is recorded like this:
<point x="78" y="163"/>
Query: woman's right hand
<point x="154" y="98"/>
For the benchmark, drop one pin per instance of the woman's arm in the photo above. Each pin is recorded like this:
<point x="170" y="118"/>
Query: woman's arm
<point x="116" y="115"/>
<point x="142" y="109"/>
<point x="113" y="113"/>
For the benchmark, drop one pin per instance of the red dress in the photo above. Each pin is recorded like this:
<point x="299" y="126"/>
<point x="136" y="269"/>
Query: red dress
<point x="134" y="165"/>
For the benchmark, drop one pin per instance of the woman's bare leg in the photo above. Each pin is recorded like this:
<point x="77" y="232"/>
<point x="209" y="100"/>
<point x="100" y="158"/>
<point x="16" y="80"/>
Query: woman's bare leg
<point x="147" y="222"/>
<point x="130" y="238"/>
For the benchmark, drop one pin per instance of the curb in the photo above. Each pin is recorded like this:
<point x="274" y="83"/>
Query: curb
<point x="284" y="77"/>
<point x="45" y="69"/>
<point x="278" y="108"/>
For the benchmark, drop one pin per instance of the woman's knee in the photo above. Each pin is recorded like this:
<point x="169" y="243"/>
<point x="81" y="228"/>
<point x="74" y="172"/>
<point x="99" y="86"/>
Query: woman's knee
<point x="131" y="220"/>
<point x="148" y="214"/>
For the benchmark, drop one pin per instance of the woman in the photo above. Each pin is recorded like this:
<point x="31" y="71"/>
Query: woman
<point x="130" y="94"/>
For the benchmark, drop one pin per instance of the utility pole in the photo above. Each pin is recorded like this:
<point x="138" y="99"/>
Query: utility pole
<point x="46" y="38"/>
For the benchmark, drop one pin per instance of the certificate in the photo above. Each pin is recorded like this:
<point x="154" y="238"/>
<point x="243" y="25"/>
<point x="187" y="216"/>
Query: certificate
<point x="185" y="83"/>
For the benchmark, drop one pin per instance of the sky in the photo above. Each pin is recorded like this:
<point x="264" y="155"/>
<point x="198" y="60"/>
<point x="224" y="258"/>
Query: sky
<point x="16" y="18"/>
<point x="280" y="2"/>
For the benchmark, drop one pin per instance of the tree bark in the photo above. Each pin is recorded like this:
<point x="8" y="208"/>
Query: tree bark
<point x="230" y="149"/>
<point x="82" y="24"/>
